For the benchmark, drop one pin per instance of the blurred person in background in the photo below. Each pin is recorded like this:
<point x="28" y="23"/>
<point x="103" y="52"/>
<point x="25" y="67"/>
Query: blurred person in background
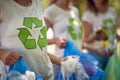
<point x="63" y="18"/>
<point x="99" y="24"/>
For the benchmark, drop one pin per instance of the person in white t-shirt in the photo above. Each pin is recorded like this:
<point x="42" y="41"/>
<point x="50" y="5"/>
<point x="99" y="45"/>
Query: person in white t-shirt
<point x="63" y="19"/>
<point x="99" y="16"/>
<point x="23" y="33"/>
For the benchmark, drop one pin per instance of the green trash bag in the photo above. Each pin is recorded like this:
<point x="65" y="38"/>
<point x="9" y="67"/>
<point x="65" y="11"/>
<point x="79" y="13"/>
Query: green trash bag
<point x="113" y="67"/>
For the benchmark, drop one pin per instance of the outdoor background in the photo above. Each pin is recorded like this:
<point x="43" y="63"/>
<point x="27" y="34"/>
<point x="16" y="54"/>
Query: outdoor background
<point x="81" y="5"/>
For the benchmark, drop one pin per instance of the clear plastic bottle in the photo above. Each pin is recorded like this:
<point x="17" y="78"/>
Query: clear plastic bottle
<point x="14" y="75"/>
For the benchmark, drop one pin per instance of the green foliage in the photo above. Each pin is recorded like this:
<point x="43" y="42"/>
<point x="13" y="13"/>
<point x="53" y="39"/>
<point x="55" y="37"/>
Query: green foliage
<point x="81" y="5"/>
<point x="116" y="4"/>
<point x="45" y="3"/>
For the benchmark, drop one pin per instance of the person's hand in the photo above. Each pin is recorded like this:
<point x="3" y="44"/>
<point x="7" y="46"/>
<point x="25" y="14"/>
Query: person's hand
<point x="108" y="53"/>
<point x="66" y="58"/>
<point x="60" y="42"/>
<point x="101" y="35"/>
<point x="9" y="57"/>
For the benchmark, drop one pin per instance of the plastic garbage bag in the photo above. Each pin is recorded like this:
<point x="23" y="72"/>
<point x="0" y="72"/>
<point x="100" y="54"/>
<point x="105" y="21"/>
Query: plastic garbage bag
<point x="88" y="61"/>
<point x="112" y="69"/>
<point x="3" y="71"/>
<point x="72" y="65"/>
<point x="72" y="50"/>
<point x="99" y="75"/>
<point x="20" y="71"/>
<point x="14" y="75"/>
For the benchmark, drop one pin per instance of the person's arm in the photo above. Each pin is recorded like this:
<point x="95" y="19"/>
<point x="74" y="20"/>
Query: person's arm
<point x="54" y="59"/>
<point x="59" y="41"/>
<point x="118" y="20"/>
<point x="88" y="36"/>
<point x="48" y="23"/>
<point x="8" y="57"/>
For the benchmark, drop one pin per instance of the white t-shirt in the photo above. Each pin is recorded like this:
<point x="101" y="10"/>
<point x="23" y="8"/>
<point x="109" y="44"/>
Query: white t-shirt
<point x="22" y="30"/>
<point x="98" y="20"/>
<point x="65" y="24"/>
<point x="107" y="19"/>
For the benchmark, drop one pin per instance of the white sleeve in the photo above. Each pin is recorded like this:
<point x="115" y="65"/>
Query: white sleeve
<point x="49" y="14"/>
<point x="88" y="17"/>
<point x="76" y="11"/>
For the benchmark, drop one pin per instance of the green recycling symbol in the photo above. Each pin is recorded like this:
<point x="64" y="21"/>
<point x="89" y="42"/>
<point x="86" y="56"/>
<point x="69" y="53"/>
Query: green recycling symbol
<point x="25" y="33"/>
<point x="73" y="22"/>
<point x="109" y="31"/>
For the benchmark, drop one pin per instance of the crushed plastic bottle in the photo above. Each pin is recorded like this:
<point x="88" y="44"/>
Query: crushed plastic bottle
<point x="72" y="65"/>
<point x="3" y="71"/>
<point x="14" y="75"/>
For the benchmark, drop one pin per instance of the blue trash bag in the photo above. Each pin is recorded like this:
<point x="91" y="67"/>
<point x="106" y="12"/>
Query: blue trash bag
<point x="19" y="68"/>
<point x="71" y="49"/>
<point x="88" y="61"/>
<point x="99" y="75"/>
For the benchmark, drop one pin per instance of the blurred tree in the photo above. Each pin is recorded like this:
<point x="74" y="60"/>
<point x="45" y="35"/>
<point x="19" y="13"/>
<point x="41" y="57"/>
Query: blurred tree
<point x="81" y="5"/>
<point x="45" y="3"/>
<point x="116" y="4"/>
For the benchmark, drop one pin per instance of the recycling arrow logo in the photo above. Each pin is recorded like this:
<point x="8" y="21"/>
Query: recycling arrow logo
<point x="75" y="23"/>
<point x="109" y="22"/>
<point x="25" y="33"/>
